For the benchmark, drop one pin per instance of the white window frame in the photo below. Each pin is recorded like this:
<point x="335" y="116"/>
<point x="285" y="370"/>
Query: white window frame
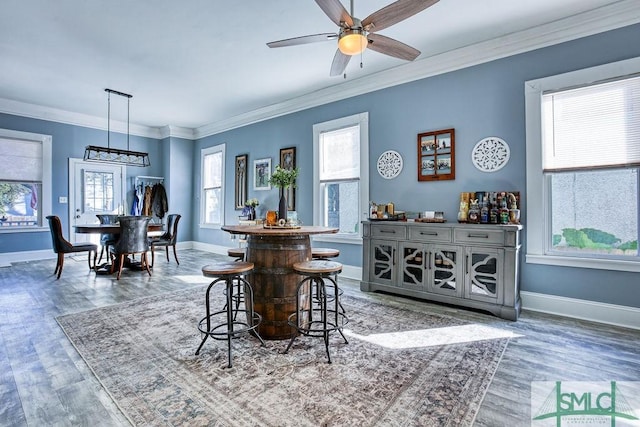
<point x="203" y="153"/>
<point x="361" y="120"/>
<point x="538" y="186"/>
<point x="45" y="202"/>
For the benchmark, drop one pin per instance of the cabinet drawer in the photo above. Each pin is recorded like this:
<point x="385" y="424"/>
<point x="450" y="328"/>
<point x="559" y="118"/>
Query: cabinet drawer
<point x="389" y="232"/>
<point x="430" y="234"/>
<point x="492" y="237"/>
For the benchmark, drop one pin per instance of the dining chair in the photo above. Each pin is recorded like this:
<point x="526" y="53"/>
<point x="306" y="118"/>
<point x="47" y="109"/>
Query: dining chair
<point x="62" y="246"/>
<point x="133" y="240"/>
<point x="107" y="240"/>
<point x="169" y="238"/>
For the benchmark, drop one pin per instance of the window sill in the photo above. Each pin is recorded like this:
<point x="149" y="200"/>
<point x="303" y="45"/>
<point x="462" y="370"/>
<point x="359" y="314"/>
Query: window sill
<point x="32" y="229"/>
<point x="333" y="238"/>
<point x="211" y="226"/>
<point x="594" y="263"/>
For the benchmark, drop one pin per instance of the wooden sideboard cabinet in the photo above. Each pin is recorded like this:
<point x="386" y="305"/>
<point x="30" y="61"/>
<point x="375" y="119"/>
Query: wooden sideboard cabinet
<point x="470" y="265"/>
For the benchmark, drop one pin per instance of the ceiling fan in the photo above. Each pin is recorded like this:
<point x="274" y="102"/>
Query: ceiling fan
<point x="355" y="35"/>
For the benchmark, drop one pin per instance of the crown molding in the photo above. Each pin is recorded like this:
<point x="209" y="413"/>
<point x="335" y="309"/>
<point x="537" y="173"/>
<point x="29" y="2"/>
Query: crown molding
<point x="617" y="15"/>
<point x="23" y="109"/>
<point x="176" y="132"/>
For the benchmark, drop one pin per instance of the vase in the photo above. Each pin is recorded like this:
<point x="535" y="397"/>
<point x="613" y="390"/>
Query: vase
<point x="282" y="207"/>
<point x="252" y="214"/>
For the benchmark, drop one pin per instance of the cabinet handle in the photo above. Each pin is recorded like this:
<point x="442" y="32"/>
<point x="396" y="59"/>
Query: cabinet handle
<point x="466" y="265"/>
<point x="428" y="260"/>
<point x="478" y="236"/>
<point x="393" y="256"/>
<point x="422" y="233"/>
<point x="388" y="231"/>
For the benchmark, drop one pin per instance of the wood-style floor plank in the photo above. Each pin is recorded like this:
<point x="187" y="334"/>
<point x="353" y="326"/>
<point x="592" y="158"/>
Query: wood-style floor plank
<point x="43" y="380"/>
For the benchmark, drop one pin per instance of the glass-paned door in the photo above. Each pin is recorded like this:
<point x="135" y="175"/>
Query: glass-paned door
<point x="484" y="268"/>
<point x="95" y="188"/>
<point x="446" y="269"/>
<point x="413" y="265"/>
<point x="383" y="260"/>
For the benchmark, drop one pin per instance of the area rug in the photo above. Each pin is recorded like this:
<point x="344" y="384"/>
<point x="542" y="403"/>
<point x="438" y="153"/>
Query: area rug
<point x="401" y="367"/>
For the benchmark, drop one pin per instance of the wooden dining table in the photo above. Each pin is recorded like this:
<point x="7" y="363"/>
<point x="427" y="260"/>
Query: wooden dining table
<point x="108" y="228"/>
<point x="115" y="230"/>
<point x="274" y="251"/>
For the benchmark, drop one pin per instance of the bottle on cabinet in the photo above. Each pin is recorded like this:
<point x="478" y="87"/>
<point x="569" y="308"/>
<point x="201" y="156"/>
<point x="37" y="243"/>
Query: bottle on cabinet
<point x="504" y="211"/>
<point x="463" y="212"/>
<point x="474" y="212"/>
<point x="484" y="209"/>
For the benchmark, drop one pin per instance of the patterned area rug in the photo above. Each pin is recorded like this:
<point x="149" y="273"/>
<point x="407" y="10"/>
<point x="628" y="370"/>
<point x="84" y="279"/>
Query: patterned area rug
<point x="400" y="368"/>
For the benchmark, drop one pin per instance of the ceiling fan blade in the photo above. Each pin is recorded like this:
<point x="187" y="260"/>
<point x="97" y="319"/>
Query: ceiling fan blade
<point x="394" y="13"/>
<point x="392" y="47"/>
<point x="313" y="38"/>
<point x="340" y="61"/>
<point x="335" y="11"/>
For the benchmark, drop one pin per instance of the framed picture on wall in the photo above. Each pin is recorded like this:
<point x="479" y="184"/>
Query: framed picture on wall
<point x="241" y="181"/>
<point x="261" y="174"/>
<point x="288" y="161"/>
<point x="436" y="155"/>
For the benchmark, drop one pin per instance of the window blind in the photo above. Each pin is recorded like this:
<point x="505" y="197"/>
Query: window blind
<point x="592" y="127"/>
<point x="340" y="154"/>
<point x="21" y="160"/>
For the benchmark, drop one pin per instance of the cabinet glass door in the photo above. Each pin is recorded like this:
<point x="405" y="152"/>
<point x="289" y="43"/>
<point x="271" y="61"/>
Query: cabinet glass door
<point x="412" y="262"/>
<point x="446" y="271"/>
<point x="484" y="274"/>
<point x="383" y="260"/>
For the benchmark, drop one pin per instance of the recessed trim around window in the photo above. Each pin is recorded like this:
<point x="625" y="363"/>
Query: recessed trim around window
<point x="45" y="202"/>
<point x="538" y="250"/>
<point x="340" y="180"/>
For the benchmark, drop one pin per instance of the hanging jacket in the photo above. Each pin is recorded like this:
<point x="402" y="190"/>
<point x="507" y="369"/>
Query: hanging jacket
<point x="159" y="202"/>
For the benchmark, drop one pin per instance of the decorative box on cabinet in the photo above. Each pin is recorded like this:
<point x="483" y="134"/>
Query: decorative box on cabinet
<point x="470" y="265"/>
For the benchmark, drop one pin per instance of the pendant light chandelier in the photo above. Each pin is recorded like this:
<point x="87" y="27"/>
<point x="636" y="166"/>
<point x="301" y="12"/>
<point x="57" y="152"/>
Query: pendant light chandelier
<point x="115" y="155"/>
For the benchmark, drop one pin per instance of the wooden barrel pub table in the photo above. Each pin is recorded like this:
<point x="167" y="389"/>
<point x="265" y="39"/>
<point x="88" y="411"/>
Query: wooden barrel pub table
<point x="273" y="251"/>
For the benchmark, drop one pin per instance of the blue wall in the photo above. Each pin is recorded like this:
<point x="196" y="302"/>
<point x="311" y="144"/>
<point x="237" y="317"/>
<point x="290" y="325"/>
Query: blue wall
<point x="480" y="101"/>
<point x="69" y="141"/>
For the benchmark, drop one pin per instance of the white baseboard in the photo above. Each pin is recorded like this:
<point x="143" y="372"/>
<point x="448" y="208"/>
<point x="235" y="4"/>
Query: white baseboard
<point x="8" y="257"/>
<point x="611" y="314"/>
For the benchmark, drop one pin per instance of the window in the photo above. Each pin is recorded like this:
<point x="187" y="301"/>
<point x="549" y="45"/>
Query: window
<point x="583" y="164"/>
<point x="98" y="191"/>
<point x="341" y="176"/>
<point x="213" y="160"/>
<point x="25" y="180"/>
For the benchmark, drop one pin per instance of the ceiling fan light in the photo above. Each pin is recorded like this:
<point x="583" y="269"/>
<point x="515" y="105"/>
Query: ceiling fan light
<point x="352" y="43"/>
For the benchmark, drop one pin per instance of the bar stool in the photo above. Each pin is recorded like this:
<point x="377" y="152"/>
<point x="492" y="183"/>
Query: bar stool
<point x="237" y="253"/>
<point x="327" y="253"/>
<point x="228" y="326"/>
<point x="324" y="317"/>
<point x="324" y="253"/>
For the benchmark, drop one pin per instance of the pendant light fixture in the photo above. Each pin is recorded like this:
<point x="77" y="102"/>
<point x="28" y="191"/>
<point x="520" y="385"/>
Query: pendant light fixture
<point x="115" y="155"/>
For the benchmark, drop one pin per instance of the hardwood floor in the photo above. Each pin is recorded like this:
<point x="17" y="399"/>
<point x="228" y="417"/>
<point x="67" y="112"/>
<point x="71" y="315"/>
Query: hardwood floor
<point x="43" y="381"/>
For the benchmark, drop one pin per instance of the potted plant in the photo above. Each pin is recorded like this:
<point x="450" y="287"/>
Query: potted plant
<point x="283" y="179"/>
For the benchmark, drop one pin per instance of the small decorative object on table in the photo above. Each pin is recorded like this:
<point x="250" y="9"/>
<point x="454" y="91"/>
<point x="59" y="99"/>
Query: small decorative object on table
<point x="250" y="209"/>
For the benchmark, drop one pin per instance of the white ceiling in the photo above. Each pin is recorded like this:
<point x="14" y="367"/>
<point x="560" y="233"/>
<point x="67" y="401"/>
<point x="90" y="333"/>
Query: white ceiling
<point x="197" y="64"/>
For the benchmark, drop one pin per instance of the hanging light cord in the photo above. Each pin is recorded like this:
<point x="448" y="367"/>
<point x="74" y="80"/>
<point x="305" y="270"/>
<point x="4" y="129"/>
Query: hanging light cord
<point x="110" y="91"/>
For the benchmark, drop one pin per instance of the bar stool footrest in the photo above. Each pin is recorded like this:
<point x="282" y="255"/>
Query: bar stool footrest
<point x="316" y="328"/>
<point x="243" y="327"/>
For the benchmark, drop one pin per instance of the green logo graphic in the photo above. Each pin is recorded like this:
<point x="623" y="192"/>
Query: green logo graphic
<point x="585" y="405"/>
